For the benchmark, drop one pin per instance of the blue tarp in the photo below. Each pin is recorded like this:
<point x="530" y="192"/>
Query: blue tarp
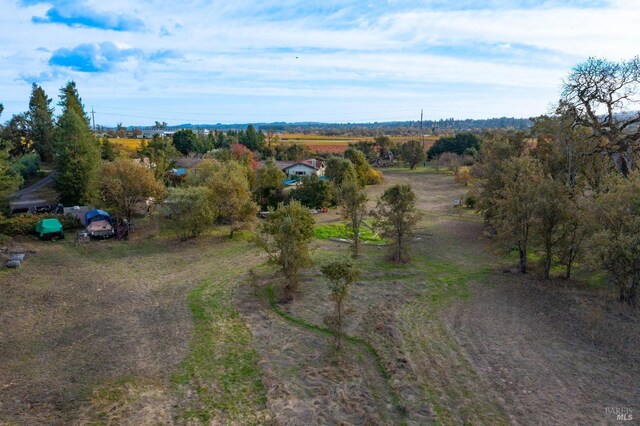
<point x="93" y="215"/>
<point x="181" y="171"/>
<point x="296" y="180"/>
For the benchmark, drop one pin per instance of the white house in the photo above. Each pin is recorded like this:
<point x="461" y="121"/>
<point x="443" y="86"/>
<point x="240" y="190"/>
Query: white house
<point x="149" y="133"/>
<point x="304" y="168"/>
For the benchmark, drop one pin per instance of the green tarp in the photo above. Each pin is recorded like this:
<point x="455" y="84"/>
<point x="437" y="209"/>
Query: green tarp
<point x="48" y="226"/>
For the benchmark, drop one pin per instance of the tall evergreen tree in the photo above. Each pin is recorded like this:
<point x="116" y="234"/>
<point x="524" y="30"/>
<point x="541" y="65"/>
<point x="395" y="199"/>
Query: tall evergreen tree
<point x="251" y="139"/>
<point x="76" y="159"/>
<point x="16" y="135"/>
<point x="40" y="121"/>
<point x="71" y="100"/>
<point x="10" y="181"/>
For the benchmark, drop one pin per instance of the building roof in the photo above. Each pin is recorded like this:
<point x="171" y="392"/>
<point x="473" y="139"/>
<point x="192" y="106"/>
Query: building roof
<point x="312" y="162"/>
<point x="282" y="165"/>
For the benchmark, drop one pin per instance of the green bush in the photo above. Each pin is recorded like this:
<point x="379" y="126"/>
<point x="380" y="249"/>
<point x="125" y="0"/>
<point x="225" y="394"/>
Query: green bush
<point x="27" y="166"/>
<point x="188" y="211"/>
<point x="25" y="224"/>
<point x="470" y="201"/>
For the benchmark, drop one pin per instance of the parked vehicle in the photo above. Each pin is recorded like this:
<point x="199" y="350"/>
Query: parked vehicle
<point x="49" y="228"/>
<point x="99" y="224"/>
<point x="32" y="207"/>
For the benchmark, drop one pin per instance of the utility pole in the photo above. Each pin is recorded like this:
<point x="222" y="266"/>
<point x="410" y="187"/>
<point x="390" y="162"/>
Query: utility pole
<point x="93" y="118"/>
<point x="421" y="131"/>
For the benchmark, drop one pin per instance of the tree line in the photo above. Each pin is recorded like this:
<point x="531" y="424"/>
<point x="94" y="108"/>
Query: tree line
<point x="570" y="188"/>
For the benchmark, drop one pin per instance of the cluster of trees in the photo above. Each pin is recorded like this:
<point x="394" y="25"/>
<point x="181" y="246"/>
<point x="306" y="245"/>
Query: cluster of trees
<point x="384" y="152"/>
<point x="25" y="140"/>
<point x="266" y="144"/>
<point x="262" y="188"/>
<point x="451" y="151"/>
<point x="217" y="192"/>
<point x="570" y="188"/>
<point x="66" y="141"/>
<point x="87" y="170"/>
<point x="187" y="141"/>
<point x="460" y="144"/>
<point x="317" y="192"/>
<point x="289" y="229"/>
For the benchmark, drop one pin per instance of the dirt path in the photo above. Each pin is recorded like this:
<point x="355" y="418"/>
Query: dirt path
<point x="305" y="382"/>
<point x="28" y="192"/>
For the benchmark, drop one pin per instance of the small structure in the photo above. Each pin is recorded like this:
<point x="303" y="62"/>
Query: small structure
<point x="304" y="168"/>
<point x="49" y="228"/>
<point x="149" y="133"/>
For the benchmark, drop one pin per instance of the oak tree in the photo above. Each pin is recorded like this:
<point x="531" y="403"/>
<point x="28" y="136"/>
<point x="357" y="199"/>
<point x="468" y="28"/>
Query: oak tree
<point x="341" y="275"/>
<point x="285" y="235"/>
<point x="396" y="215"/>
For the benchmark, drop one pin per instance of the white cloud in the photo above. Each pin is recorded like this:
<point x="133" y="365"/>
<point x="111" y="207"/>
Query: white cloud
<point x="515" y="57"/>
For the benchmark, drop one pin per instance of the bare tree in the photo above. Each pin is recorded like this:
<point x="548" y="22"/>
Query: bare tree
<point x="600" y="94"/>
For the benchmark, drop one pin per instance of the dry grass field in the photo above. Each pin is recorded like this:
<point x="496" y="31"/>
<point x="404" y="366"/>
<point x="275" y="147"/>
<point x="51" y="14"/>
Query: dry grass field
<point x="152" y="331"/>
<point x="127" y="145"/>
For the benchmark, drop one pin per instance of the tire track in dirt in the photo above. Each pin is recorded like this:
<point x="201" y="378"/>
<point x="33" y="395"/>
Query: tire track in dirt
<point x="537" y="356"/>
<point x="304" y="383"/>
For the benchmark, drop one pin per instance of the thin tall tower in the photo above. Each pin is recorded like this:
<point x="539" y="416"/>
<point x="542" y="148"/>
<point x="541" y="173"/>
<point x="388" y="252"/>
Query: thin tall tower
<point x="93" y="118"/>
<point x="421" y="131"/>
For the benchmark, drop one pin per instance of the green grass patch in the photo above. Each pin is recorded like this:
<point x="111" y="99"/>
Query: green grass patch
<point x="222" y="365"/>
<point x="595" y="280"/>
<point x="324" y="232"/>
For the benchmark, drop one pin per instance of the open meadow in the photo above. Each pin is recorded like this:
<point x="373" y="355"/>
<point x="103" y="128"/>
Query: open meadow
<point x="153" y="331"/>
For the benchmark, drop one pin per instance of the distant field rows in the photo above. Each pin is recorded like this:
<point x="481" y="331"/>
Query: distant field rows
<point x="316" y="143"/>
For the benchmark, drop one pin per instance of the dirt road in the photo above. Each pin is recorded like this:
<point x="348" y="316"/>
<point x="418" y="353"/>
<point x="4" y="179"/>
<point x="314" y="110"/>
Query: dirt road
<point x="28" y="193"/>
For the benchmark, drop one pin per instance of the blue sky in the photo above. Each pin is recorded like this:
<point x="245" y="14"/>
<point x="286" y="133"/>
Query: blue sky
<point x="339" y="61"/>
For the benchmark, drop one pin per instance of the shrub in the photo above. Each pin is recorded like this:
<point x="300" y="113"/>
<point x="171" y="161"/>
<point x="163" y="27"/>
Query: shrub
<point x="470" y="201"/>
<point x="27" y="166"/>
<point x="25" y="224"/>
<point x="463" y="175"/>
<point x="313" y="192"/>
<point x="188" y="211"/>
<point x="374" y="176"/>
